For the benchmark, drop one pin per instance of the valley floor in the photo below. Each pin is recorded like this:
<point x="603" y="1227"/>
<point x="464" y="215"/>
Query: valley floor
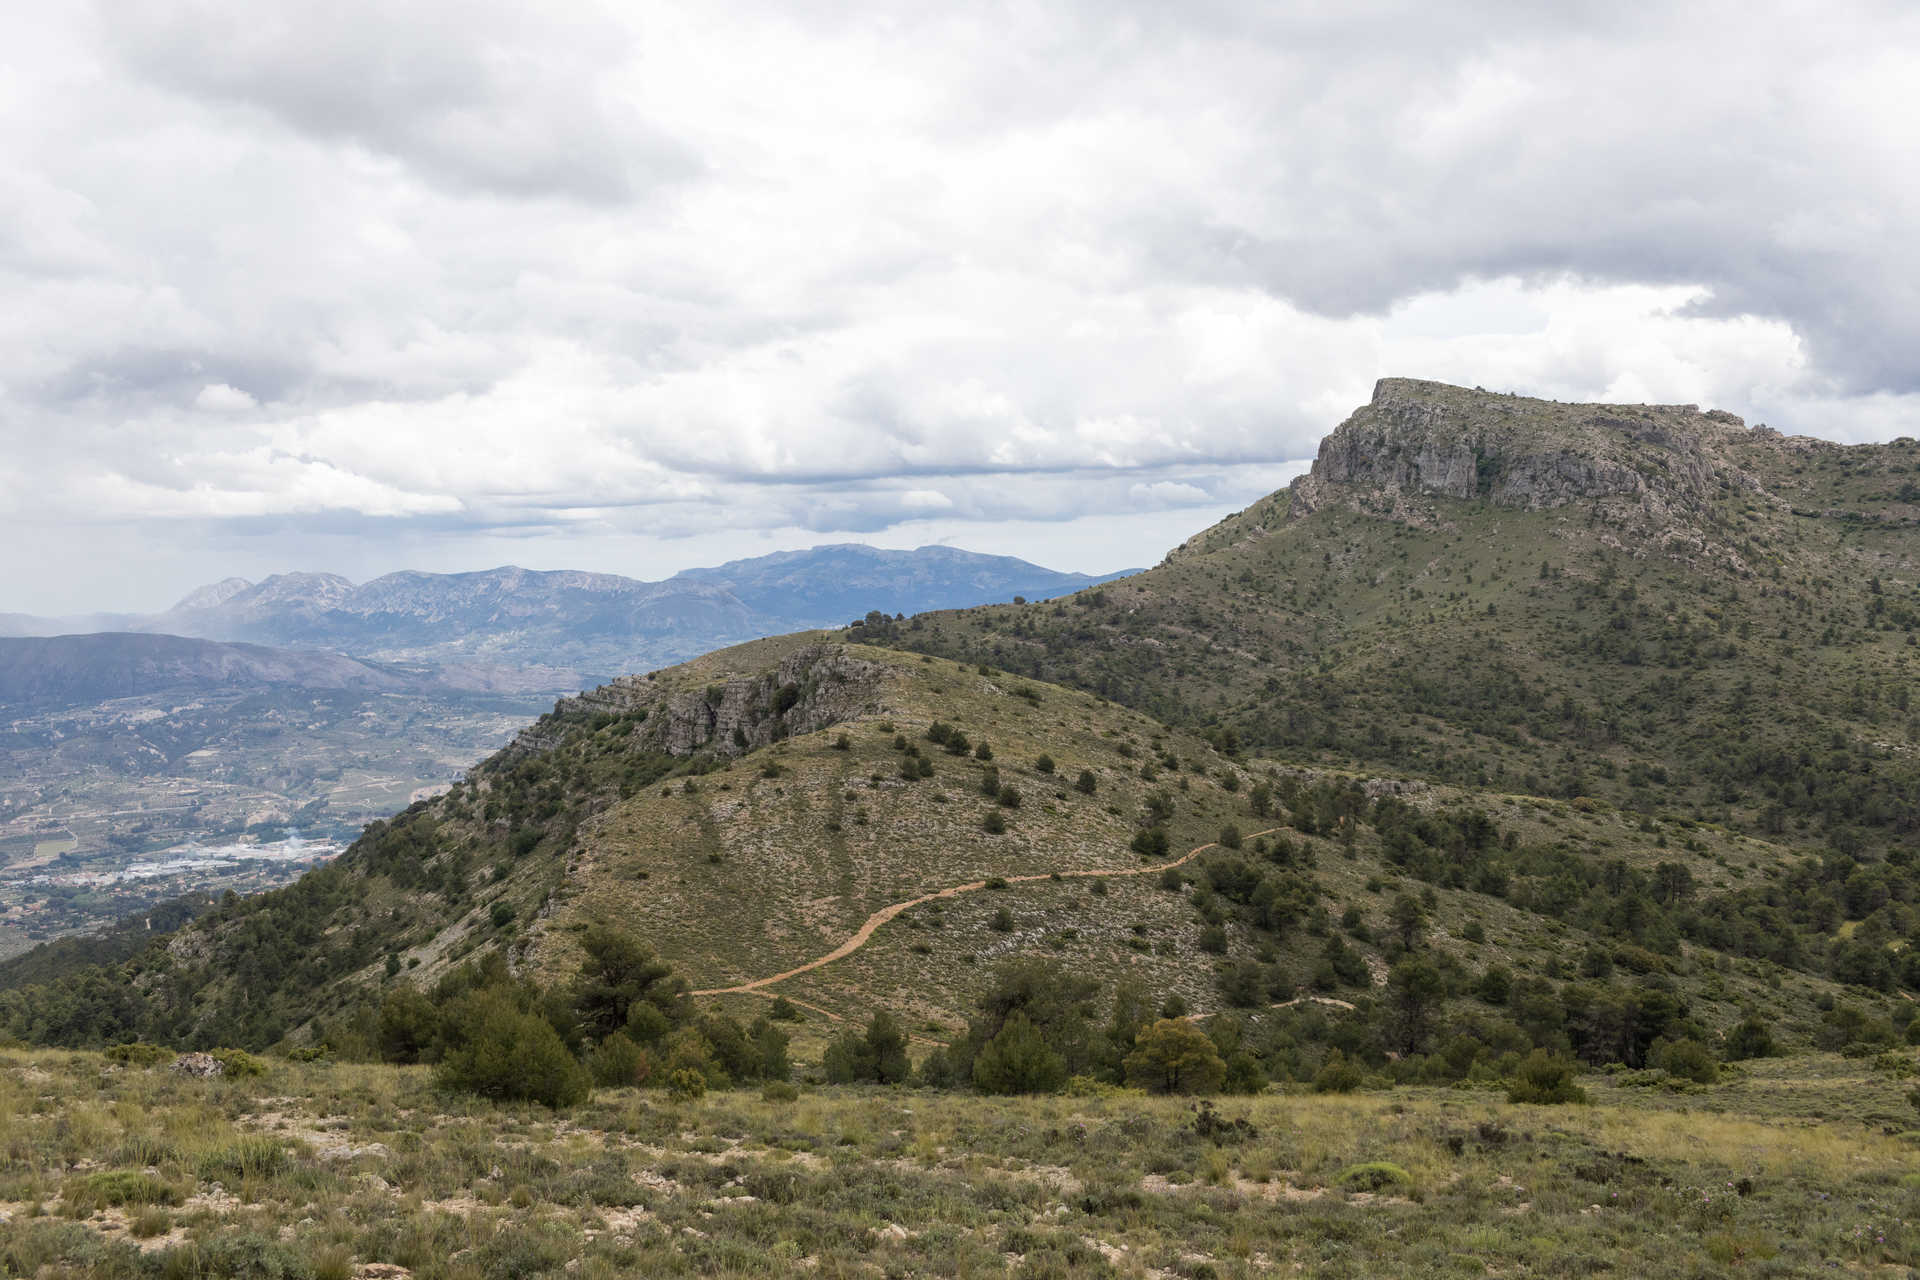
<point x="1788" y="1167"/>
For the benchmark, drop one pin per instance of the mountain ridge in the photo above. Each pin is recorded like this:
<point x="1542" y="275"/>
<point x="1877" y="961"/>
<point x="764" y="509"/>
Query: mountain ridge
<point x="599" y="622"/>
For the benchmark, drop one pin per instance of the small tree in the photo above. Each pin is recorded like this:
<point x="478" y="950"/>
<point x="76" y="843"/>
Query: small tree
<point x="507" y="1053"/>
<point x="878" y="1057"/>
<point x="619" y="973"/>
<point x="1174" y="1056"/>
<point x="1018" y="1061"/>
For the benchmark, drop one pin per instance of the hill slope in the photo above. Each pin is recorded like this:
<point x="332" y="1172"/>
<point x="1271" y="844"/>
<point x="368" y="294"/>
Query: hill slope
<point x="810" y="819"/>
<point x="1645" y="603"/>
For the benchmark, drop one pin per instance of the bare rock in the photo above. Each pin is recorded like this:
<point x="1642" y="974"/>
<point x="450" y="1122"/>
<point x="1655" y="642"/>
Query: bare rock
<point x="204" y="1065"/>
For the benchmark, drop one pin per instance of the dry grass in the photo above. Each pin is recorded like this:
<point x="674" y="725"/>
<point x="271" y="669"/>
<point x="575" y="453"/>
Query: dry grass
<point x="325" y="1170"/>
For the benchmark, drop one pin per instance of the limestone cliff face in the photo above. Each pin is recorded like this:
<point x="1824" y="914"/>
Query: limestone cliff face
<point x="1418" y="440"/>
<point x="811" y="688"/>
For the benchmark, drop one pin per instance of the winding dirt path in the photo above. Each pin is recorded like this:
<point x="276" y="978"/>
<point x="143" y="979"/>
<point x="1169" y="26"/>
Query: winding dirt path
<point x="884" y="914"/>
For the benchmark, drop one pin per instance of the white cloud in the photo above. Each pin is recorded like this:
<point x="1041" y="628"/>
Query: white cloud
<point x="218" y="397"/>
<point x="605" y="273"/>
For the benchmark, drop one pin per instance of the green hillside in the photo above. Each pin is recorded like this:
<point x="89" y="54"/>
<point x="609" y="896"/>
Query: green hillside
<point x="1645" y="604"/>
<point x="1514" y="726"/>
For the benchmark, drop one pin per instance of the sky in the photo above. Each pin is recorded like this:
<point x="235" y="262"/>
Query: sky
<point x="636" y="287"/>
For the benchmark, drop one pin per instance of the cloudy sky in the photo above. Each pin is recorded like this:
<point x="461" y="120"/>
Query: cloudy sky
<point x="364" y="286"/>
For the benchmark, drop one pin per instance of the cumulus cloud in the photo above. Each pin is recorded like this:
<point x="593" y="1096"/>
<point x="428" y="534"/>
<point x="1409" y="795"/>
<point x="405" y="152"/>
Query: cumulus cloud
<point x="218" y="397"/>
<point x="614" y="282"/>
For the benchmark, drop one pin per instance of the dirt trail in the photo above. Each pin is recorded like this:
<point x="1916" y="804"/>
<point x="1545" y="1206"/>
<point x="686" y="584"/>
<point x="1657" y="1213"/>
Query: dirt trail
<point x="884" y="914"/>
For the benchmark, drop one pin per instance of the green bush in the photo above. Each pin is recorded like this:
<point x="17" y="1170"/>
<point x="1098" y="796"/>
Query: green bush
<point x="1544" y="1077"/>
<point x="1374" y="1175"/>
<point x="140" y="1054"/>
<point x="1018" y="1061"/>
<point x="238" y="1064"/>
<point x="507" y="1053"/>
<point x="687" y="1085"/>
<point x="779" y="1091"/>
<point x="616" y="1063"/>
<point x="1339" y="1074"/>
<point x="1687" y="1059"/>
<point x="1749" y="1039"/>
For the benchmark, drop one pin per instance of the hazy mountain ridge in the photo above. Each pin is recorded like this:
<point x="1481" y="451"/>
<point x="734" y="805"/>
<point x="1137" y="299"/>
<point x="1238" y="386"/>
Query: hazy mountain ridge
<point x="88" y="668"/>
<point x="599" y="622"/>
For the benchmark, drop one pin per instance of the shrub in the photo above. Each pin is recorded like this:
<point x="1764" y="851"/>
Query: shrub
<point x="408" y="1028"/>
<point x="1085" y="783"/>
<point x="779" y="1091"/>
<point x="1375" y="1175"/>
<point x="1001" y="921"/>
<point x="1688" y="1059"/>
<point x="510" y="1054"/>
<point x="784" y="1010"/>
<point x="254" y="1156"/>
<point x="1544" y="1077"/>
<point x="616" y="1062"/>
<point x="238" y="1064"/>
<point x="1018" y="1061"/>
<point x="687" y="1085"/>
<point x="994" y="824"/>
<point x="1229" y="837"/>
<point x="878" y="1057"/>
<point x="1008" y="797"/>
<point x="1044" y="764"/>
<point x="119" y="1187"/>
<point x="982" y="751"/>
<point x="1749" y="1039"/>
<point x="141" y="1054"/>
<point x="1339" y="1074"/>
<point x="1150" y="842"/>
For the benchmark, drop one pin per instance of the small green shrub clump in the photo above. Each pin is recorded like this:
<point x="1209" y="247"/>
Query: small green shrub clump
<point x="140" y="1054"/>
<point x="117" y="1187"/>
<point x="1374" y="1175"/>
<point x="238" y="1064"/>
<point x="1338" y="1074"/>
<point x="1686" y="1059"/>
<point x="1544" y="1077"/>
<point x="254" y="1156"/>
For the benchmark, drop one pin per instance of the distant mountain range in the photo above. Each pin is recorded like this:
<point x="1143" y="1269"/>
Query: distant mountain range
<point x="592" y="622"/>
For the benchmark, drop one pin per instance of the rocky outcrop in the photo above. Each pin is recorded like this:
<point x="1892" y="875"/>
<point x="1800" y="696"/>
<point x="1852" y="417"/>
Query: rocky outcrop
<point x="1420" y="440"/>
<point x="809" y="689"/>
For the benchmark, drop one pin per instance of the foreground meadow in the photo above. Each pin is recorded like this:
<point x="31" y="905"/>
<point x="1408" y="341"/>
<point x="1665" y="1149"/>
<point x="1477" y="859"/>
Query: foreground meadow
<point x="1789" y="1167"/>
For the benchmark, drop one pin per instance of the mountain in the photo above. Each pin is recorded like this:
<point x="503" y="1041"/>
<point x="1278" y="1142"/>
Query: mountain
<point x="1649" y="604"/>
<point x="596" y="621"/>
<point x="1512" y="726"/>
<point x="93" y="668"/>
<point x="828" y="585"/>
